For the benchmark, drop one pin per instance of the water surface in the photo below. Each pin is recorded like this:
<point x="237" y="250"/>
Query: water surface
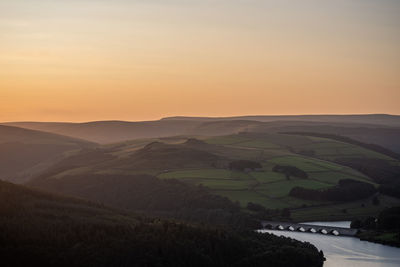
<point x="341" y="251"/>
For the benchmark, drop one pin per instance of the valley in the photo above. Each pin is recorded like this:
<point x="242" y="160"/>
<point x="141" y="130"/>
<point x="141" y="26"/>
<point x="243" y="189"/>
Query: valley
<point x="204" y="161"/>
<point x="230" y="181"/>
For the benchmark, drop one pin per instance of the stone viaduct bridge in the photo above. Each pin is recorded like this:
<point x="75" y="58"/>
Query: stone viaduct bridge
<point x="310" y="228"/>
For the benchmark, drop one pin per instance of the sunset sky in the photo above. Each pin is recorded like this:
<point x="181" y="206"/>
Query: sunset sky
<point x="81" y="60"/>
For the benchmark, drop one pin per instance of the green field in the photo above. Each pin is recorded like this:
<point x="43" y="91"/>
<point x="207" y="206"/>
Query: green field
<point x="219" y="184"/>
<point x="265" y="187"/>
<point x="268" y="188"/>
<point x="282" y="188"/>
<point x="332" y="149"/>
<point x="333" y="177"/>
<point x="268" y="176"/>
<point x="271" y="189"/>
<point x="205" y="173"/>
<point x="258" y="144"/>
<point x="306" y="164"/>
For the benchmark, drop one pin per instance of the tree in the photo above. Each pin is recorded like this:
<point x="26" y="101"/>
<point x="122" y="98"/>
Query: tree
<point x="376" y="201"/>
<point x="290" y="171"/>
<point x="286" y="213"/>
<point x="256" y="207"/>
<point x="356" y="224"/>
<point x="242" y="165"/>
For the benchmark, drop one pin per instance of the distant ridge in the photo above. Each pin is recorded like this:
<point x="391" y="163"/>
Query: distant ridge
<point x="112" y="131"/>
<point x="378" y="119"/>
<point x="381" y="129"/>
<point x="10" y="133"/>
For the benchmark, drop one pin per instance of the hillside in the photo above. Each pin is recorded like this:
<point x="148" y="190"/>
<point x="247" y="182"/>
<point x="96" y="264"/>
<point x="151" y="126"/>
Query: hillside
<point x="25" y="153"/>
<point x="377" y="119"/>
<point x="148" y="195"/>
<point x="112" y="131"/>
<point x="206" y="161"/>
<point x="382" y="130"/>
<point x="325" y="161"/>
<point x="42" y="229"/>
<point x="383" y="136"/>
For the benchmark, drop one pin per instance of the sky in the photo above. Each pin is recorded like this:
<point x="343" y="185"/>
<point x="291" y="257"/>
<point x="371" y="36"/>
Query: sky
<point x="83" y="60"/>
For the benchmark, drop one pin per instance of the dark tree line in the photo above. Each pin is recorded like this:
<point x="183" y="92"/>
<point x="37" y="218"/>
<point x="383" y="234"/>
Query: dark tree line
<point x="346" y="190"/>
<point x="290" y="171"/>
<point x="242" y="165"/>
<point x="383" y="229"/>
<point x="388" y="219"/>
<point x="391" y="189"/>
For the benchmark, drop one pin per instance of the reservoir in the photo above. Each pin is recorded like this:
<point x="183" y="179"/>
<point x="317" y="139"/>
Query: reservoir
<point x="341" y="251"/>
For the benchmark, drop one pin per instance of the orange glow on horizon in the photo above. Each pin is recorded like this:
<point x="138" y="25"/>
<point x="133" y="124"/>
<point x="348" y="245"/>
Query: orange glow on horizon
<point x="142" y="60"/>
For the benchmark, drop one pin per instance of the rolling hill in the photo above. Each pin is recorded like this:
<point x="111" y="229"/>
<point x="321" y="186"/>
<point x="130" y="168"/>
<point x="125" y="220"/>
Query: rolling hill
<point x="205" y="162"/>
<point x="374" y="119"/>
<point x="25" y="153"/>
<point x="154" y="197"/>
<point x="383" y="130"/>
<point x="112" y="131"/>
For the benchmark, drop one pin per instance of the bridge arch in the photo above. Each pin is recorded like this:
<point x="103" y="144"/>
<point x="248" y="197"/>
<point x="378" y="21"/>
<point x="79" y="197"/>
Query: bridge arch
<point x="335" y="232"/>
<point x="268" y="226"/>
<point x="304" y="227"/>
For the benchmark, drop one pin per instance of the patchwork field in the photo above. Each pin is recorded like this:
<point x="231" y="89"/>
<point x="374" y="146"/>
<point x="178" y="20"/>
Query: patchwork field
<point x="205" y="161"/>
<point x="269" y="188"/>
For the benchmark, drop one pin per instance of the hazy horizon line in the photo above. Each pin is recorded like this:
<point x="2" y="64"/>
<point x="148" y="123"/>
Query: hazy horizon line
<point x="210" y="117"/>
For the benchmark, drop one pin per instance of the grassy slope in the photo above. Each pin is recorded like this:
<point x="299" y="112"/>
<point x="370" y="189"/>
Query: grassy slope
<point x="24" y="153"/>
<point x="206" y="164"/>
<point x="271" y="189"/>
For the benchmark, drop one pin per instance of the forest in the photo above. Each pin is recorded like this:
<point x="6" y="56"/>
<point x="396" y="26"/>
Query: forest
<point x="384" y="228"/>
<point x="43" y="229"/>
<point x="169" y="198"/>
